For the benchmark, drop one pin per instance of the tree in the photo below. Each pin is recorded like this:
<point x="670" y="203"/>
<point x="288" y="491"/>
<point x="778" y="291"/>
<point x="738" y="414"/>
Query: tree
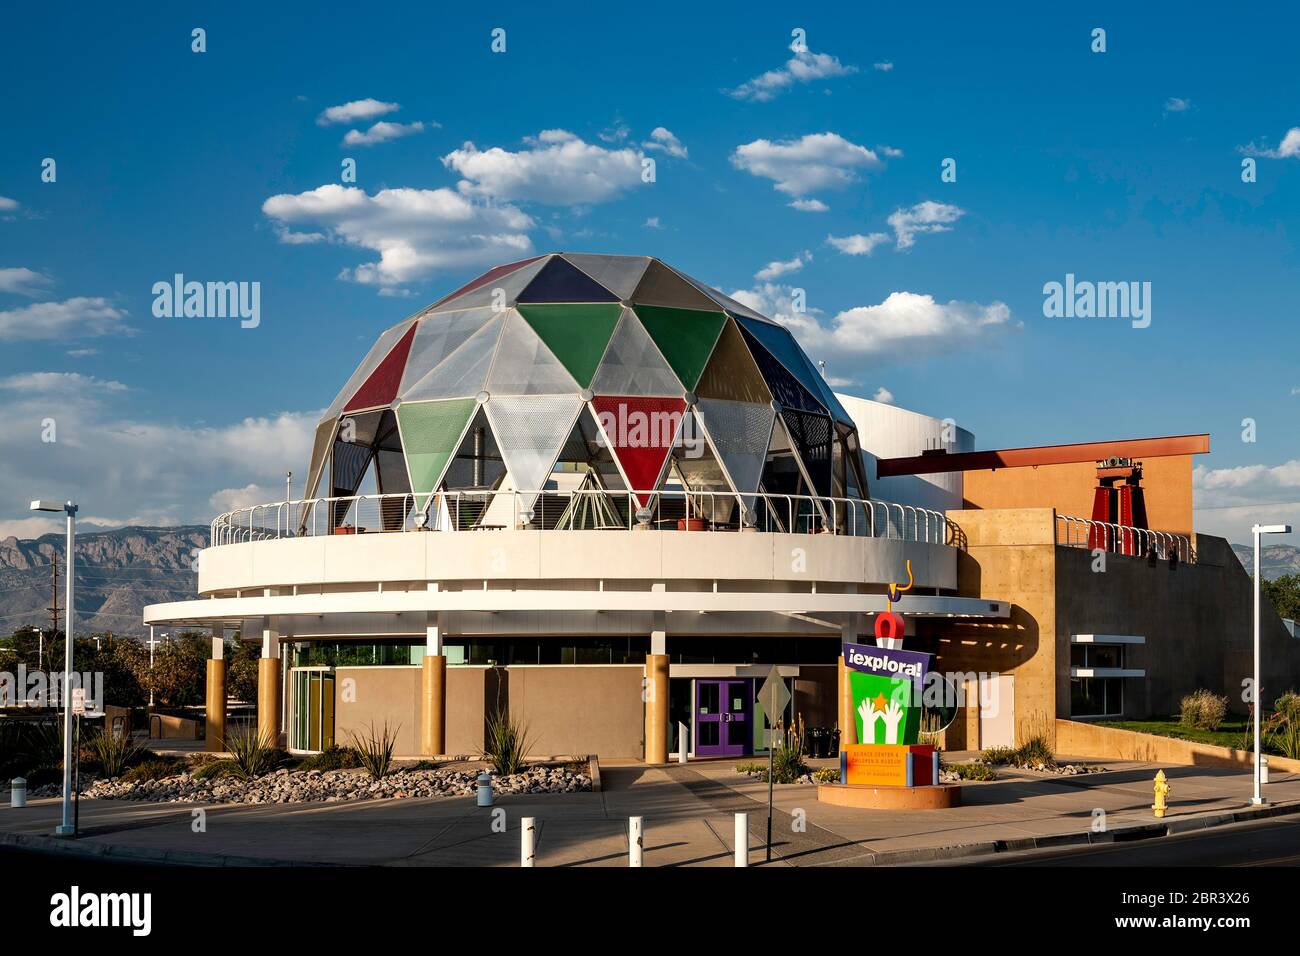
<point x="241" y="670"/>
<point x="1284" y="593"/>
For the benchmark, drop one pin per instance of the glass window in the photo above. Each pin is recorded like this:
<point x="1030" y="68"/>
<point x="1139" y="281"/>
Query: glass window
<point x="1096" y="696"/>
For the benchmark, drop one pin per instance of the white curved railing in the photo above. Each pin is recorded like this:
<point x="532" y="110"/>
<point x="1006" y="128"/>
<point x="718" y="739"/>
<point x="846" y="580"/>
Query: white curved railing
<point x="669" y="509"/>
<point x="1074" y="532"/>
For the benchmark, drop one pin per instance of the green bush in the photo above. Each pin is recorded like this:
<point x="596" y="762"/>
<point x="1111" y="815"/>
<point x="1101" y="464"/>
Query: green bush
<point x="827" y="775"/>
<point x="217" y="768"/>
<point x="508" y="744"/>
<point x="112" y="753"/>
<point x="375" y="749"/>
<point x="154" y="769"/>
<point x="973" y="771"/>
<point x="1203" y="709"/>
<point x="335" y="758"/>
<point x="751" y="768"/>
<point x="998" y="756"/>
<point x="1035" y="752"/>
<point x="251" y="754"/>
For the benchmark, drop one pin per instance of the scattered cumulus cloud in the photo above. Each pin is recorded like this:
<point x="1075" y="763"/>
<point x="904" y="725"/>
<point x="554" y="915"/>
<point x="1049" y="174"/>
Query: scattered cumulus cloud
<point x="8" y="205"/>
<point x="808" y="205"/>
<point x="858" y="245"/>
<point x="79" y="317"/>
<point x="809" y="164"/>
<point x="383" y="132"/>
<point x="1176" y="104"/>
<point x="555" y="168"/>
<point x="924" y="217"/>
<point x="653" y="223"/>
<point x="1227" y="501"/>
<point x="664" y="140"/>
<point x="774" y="270"/>
<point x="803" y="67"/>
<point x="22" y="281"/>
<point x="890" y="152"/>
<point x="884" y="67"/>
<point x="46" y="383"/>
<point x="357" y="111"/>
<point x="415" y="231"/>
<point x="1289" y="148"/>
<point x="883" y="395"/>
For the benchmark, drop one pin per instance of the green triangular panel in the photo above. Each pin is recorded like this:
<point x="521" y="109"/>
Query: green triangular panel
<point x="684" y="336"/>
<point x="577" y="334"/>
<point x="431" y="433"/>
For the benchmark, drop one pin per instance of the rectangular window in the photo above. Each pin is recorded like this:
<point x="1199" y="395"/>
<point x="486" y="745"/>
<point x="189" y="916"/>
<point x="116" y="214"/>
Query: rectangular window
<point x="1096" y="696"/>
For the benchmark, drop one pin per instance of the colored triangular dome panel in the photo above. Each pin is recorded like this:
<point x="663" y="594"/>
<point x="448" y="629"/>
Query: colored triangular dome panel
<point x="437" y="336"/>
<point x="431" y="433"/>
<point x="498" y="293"/>
<point x="562" y="281"/>
<point x="382" y="347"/>
<point x="463" y="373"/>
<point x="662" y="286"/>
<point x="811" y="436"/>
<point x="618" y="274"/>
<point x="732" y="373"/>
<point x="641" y="432"/>
<point x="576" y="334"/>
<point x="778" y="340"/>
<point x="530" y="430"/>
<point x="525" y="366"/>
<point x="740" y="433"/>
<point x="381" y="387"/>
<point x="633" y="364"/>
<point x="492" y="275"/>
<point x="684" y="336"/>
<point x="785" y="388"/>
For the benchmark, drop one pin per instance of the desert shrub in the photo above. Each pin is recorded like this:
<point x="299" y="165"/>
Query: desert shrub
<point x="155" y="768"/>
<point x="250" y="752"/>
<point x="997" y="756"/>
<point x="375" y="749"/>
<point x="827" y="775"/>
<point x="973" y="771"/>
<point x="1035" y="752"/>
<point x="1203" y="710"/>
<point x="335" y="758"/>
<point x="507" y="744"/>
<point x="111" y="752"/>
<point x="217" y="768"/>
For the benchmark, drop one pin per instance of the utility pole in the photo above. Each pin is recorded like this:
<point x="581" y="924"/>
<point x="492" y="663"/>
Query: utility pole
<point x="54" y="596"/>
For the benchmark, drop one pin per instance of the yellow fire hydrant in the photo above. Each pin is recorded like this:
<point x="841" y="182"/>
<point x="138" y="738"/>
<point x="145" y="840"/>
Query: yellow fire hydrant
<point x="1162" y="790"/>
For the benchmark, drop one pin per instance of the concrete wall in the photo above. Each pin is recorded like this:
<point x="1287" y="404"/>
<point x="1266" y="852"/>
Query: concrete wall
<point x="1080" y="739"/>
<point x="382" y="694"/>
<point x="580" y="710"/>
<point x="1166" y="483"/>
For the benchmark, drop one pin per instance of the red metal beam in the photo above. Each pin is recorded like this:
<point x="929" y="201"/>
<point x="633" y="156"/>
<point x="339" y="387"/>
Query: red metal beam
<point x="1044" y="455"/>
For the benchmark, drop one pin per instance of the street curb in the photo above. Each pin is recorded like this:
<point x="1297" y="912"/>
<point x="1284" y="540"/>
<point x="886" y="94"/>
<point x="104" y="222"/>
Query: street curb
<point x="593" y="764"/>
<point x="1142" y="831"/>
<point x="108" y="853"/>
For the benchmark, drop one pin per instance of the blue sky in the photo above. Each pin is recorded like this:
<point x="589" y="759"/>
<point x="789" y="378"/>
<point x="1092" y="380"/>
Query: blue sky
<point x="222" y="165"/>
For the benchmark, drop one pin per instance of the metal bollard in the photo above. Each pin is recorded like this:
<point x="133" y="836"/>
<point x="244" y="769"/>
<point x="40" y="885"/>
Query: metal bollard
<point x="485" y="789"/>
<point x="635" y="841"/>
<point x="528" y="841"/>
<point x="1263" y="769"/>
<point x="742" y="839"/>
<point x="18" y="792"/>
<point x="681" y="742"/>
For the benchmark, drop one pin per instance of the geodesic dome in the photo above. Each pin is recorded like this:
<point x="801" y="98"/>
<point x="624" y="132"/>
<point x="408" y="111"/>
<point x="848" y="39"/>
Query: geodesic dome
<point x="618" y="366"/>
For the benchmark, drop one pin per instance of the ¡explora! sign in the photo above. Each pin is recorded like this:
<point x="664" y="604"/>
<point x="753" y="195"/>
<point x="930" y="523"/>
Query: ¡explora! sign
<point x="885" y="685"/>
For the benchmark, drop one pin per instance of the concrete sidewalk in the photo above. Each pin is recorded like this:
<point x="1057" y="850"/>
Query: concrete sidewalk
<point x="689" y="821"/>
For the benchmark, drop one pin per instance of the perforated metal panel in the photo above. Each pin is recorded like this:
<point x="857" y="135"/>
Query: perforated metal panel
<point x="525" y="366"/>
<point x="618" y="274"/>
<point x="431" y="432"/>
<point x="463" y="373"/>
<point x="811" y="435"/>
<point x="437" y="337"/>
<point x="740" y="433"/>
<point x="633" y="365"/>
<point x="530" y="431"/>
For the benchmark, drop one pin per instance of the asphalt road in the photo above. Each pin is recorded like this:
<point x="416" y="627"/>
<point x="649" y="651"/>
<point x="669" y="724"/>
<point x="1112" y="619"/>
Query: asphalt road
<point x="1273" y="842"/>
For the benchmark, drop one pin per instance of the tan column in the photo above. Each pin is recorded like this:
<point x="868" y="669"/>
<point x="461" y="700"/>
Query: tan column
<point x="215" y="734"/>
<point x="268" y="700"/>
<point x="656" y="708"/>
<point x="433" y="706"/>
<point x="848" y="721"/>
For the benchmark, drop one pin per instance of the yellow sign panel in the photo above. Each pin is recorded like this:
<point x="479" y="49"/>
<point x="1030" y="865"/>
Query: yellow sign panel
<point x="885" y="765"/>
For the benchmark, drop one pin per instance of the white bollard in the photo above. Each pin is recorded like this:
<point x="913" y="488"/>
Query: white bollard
<point x="485" y="789"/>
<point x="681" y="742"/>
<point x="742" y="839"/>
<point x="18" y="792"/>
<point x="1263" y="769"/>
<point x="635" y="841"/>
<point x="528" y="841"/>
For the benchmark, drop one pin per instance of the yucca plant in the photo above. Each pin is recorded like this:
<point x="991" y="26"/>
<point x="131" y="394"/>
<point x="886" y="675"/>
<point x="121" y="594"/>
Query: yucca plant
<point x="250" y="752"/>
<point x="114" y="753"/>
<point x="507" y="743"/>
<point x="375" y="749"/>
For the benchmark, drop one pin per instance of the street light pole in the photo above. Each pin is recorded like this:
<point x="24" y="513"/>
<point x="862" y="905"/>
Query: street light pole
<point x="68" y="508"/>
<point x="1257" y="530"/>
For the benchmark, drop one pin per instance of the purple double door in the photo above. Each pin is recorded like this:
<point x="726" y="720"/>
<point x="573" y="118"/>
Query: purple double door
<point x="722" y="718"/>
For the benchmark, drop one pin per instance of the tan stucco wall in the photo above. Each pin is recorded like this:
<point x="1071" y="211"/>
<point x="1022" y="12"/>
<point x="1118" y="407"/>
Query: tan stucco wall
<point x="587" y="709"/>
<point x="1081" y="739"/>
<point x="1166" y="484"/>
<point x="816" y="695"/>
<point x="382" y="694"/>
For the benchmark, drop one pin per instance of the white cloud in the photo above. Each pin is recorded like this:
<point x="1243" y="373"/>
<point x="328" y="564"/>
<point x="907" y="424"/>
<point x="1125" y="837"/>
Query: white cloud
<point x="1227" y="501"/>
<point x="905" y="325"/>
<point x="774" y="270"/>
<point x="1289" y="148"/>
<point x="804" y="67"/>
<point x="616" y="132"/>
<point x="653" y="223"/>
<point x="232" y="499"/>
<point x="357" y="111"/>
<point x="813" y="162"/>
<point x="415" y="231"/>
<point x="71" y="318"/>
<point x="82" y="353"/>
<point x="22" y="281"/>
<point x="808" y="205"/>
<point x="1176" y="104"/>
<point x="883" y="395"/>
<point x="664" y="140"/>
<point x="382" y="132"/>
<point x="7" y="204"/>
<point x="46" y="383"/>
<point x="924" y="217"/>
<point x="858" y="245"/>
<point x="883" y="67"/>
<point x="557" y="168"/>
<point x="890" y="152"/>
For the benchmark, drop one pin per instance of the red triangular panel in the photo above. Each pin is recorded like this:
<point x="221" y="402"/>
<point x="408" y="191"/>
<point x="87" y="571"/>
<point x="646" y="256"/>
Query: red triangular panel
<point x="490" y="276"/>
<point x="641" y="432"/>
<point x="381" y="387"/>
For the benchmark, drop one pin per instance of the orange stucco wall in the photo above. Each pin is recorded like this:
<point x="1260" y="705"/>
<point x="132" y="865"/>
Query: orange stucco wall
<point x="1166" y="483"/>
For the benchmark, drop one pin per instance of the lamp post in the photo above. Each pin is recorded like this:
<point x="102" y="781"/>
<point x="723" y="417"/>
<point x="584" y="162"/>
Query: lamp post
<point x="152" y="642"/>
<point x="1257" y="530"/>
<point x="69" y="509"/>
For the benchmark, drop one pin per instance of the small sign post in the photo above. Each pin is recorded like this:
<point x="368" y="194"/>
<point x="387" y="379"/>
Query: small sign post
<point x="773" y="698"/>
<point x="78" y="711"/>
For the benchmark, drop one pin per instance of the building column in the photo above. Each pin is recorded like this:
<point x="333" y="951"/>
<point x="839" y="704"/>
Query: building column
<point x="655" y="688"/>
<point x="433" y="684"/>
<point x="268" y="684"/>
<point x="214" y="735"/>
<point x="848" y="720"/>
